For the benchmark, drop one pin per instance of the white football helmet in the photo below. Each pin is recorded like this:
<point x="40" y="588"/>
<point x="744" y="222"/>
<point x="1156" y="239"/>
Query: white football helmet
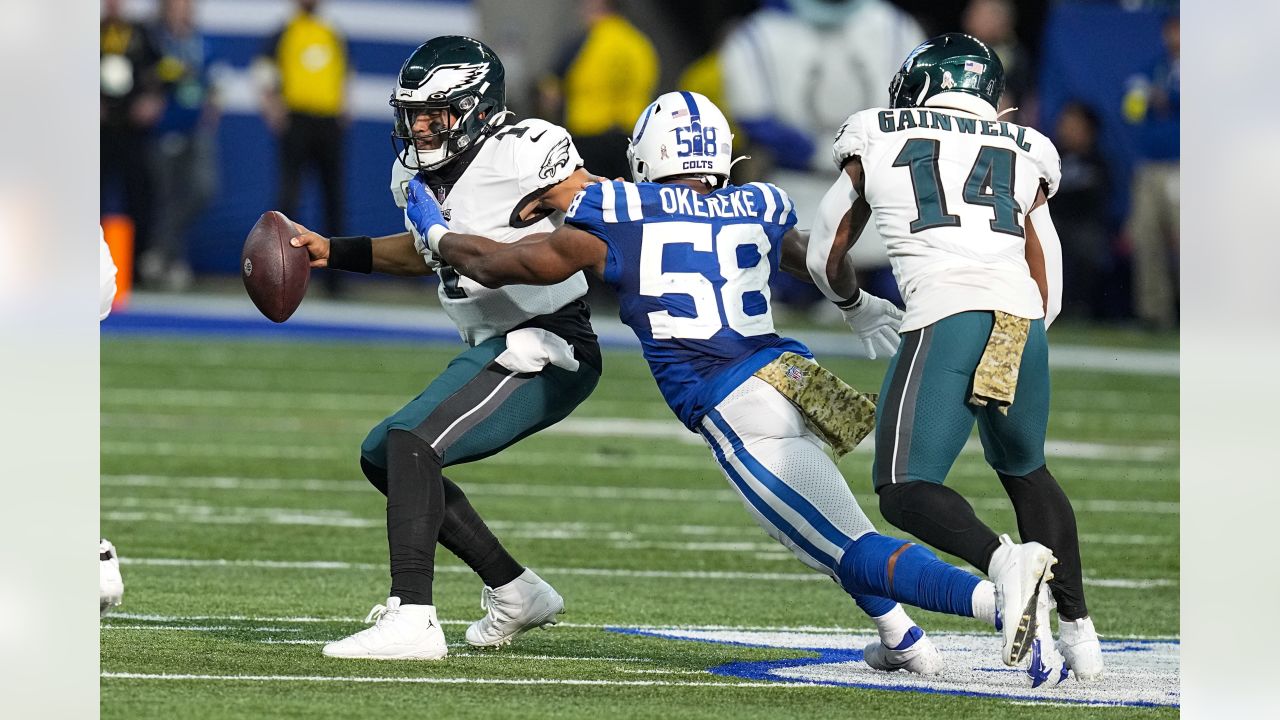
<point x="680" y="133"/>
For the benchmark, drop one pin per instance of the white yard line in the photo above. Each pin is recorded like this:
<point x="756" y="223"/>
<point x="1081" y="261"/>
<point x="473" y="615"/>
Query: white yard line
<point x="286" y="427"/>
<point x="575" y="492"/>
<point x="274" y="641"/>
<point x="205" y="628"/>
<point x="816" y="629"/>
<point x="1122" y="583"/>
<point x="1066" y="449"/>
<point x="623" y="538"/>
<point x="449" y="681"/>
<point x="497" y="654"/>
<point x="659" y="671"/>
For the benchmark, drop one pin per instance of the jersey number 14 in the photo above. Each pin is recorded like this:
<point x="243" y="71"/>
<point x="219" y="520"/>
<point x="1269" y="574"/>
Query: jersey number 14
<point x="990" y="183"/>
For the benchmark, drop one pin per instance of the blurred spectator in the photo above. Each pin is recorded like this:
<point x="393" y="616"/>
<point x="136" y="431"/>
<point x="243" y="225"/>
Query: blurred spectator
<point x="796" y="69"/>
<point x="602" y="82"/>
<point x="993" y="22"/>
<point x="1152" y="104"/>
<point x="130" y="105"/>
<point x="1081" y="209"/>
<point x="793" y="73"/>
<point x="304" y="70"/>
<point x="183" y="154"/>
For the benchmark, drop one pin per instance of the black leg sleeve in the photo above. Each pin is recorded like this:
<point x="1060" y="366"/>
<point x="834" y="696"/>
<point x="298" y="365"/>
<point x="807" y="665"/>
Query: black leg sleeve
<point x="1045" y="516"/>
<point x="940" y="517"/>
<point x="415" y="512"/>
<point x="466" y="535"/>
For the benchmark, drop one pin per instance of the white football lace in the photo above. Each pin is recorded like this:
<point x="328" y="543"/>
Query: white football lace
<point x="487" y="598"/>
<point x="376" y="614"/>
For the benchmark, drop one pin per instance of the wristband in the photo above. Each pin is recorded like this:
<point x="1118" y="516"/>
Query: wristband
<point x="434" y="233"/>
<point x="353" y="254"/>
<point x="852" y="302"/>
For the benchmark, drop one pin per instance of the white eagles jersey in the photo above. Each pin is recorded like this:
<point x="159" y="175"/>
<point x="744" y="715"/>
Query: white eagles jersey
<point x="951" y="191"/>
<point x="511" y="167"/>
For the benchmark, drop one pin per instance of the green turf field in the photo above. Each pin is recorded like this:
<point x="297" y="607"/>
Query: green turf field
<point x="230" y="485"/>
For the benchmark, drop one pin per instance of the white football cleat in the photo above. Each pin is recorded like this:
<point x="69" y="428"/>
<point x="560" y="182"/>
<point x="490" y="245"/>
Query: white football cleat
<point x="916" y="654"/>
<point x="1018" y="571"/>
<point x="523" y="604"/>
<point x="1078" y="642"/>
<point x="110" y="583"/>
<point x="399" y="632"/>
<point x="1047" y="667"/>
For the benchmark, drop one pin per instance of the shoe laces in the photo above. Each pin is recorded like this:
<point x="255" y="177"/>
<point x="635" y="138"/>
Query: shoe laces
<point x="496" y="610"/>
<point x="379" y="613"/>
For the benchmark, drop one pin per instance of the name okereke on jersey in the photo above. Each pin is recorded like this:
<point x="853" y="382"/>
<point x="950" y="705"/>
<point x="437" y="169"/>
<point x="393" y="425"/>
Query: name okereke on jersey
<point x="683" y="200"/>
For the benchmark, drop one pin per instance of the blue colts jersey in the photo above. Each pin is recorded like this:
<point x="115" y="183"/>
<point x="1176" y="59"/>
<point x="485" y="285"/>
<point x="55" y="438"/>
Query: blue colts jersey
<point x="692" y="276"/>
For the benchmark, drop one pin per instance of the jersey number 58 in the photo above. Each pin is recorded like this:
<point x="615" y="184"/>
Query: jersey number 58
<point x="712" y="311"/>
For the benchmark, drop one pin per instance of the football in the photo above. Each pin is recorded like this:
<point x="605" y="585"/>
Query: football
<point x="275" y="273"/>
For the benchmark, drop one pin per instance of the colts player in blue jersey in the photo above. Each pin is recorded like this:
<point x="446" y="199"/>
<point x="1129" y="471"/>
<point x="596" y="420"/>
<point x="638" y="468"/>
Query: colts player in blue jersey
<point x="690" y="258"/>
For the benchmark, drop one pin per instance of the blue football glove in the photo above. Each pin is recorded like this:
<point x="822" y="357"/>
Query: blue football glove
<point x="424" y="213"/>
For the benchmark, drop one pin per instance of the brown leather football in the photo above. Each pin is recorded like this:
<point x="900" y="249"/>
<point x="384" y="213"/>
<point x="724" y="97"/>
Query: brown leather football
<point x="275" y="273"/>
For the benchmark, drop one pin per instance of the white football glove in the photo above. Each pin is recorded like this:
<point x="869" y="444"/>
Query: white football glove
<point x="875" y="321"/>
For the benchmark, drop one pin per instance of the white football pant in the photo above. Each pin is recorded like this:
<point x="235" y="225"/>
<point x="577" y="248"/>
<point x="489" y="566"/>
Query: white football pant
<point x="784" y="475"/>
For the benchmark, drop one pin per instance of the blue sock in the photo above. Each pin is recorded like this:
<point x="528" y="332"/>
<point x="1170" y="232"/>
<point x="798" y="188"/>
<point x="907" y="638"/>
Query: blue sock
<point x="872" y="605"/>
<point x="919" y="577"/>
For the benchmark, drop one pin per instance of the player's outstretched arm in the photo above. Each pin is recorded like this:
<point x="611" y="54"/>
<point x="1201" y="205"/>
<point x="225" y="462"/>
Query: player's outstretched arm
<point x="390" y="254"/>
<point x="535" y="260"/>
<point x="560" y="195"/>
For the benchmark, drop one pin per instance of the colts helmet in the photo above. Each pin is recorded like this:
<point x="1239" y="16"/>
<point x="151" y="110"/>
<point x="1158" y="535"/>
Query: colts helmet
<point x="680" y="133"/>
<point x="953" y="62"/>
<point x="453" y="72"/>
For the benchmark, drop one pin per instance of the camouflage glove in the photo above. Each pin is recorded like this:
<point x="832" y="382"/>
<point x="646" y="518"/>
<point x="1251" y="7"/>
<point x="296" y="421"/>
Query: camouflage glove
<point x="875" y="321"/>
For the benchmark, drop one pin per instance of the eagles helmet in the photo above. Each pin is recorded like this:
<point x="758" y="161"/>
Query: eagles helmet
<point x="450" y="72"/>
<point x="953" y="62"/>
<point x="680" y="133"/>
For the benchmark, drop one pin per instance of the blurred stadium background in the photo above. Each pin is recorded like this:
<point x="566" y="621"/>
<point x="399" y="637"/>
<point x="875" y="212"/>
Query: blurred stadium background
<point x="229" y="483"/>
<point x="1072" y="64"/>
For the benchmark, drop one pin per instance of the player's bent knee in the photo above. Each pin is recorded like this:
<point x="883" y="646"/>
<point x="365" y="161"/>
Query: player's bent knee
<point x="1018" y="466"/>
<point x="374" y="447"/>
<point x="894" y="500"/>
<point x="376" y="475"/>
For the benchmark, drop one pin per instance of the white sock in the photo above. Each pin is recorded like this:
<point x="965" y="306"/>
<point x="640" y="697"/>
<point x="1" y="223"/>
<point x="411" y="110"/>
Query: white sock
<point x="984" y="602"/>
<point x="892" y="626"/>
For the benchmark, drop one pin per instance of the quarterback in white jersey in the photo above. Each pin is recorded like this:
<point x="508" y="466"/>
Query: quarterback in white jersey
<point x="513" y="167"/>
<point x="960" y="198"/>
<point x="532" y="356"/>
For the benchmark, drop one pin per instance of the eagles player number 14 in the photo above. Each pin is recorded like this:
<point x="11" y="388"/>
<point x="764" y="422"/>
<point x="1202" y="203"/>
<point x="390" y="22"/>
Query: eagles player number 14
<point x="990" y="183"/>
<point x="742" y="285"/>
